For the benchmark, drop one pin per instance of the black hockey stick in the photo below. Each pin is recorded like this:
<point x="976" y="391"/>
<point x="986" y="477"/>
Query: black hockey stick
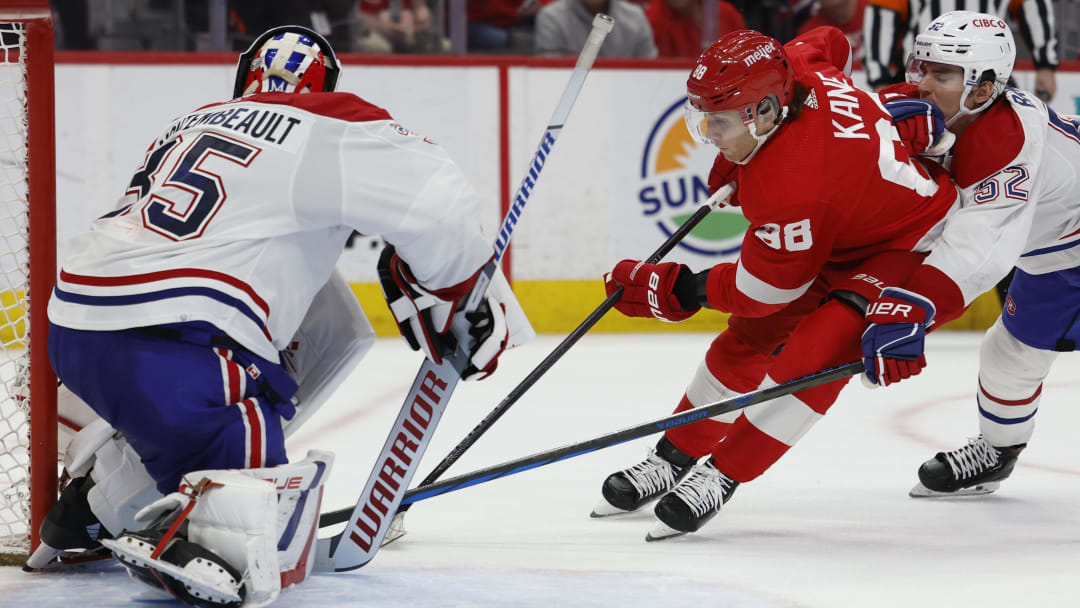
<point x="397" y="527"/>
<point x="577" y="449"/>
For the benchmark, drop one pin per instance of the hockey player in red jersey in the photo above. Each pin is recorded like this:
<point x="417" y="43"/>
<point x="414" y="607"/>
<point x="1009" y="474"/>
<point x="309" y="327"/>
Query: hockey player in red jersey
<point x="837" y="209"/>
<point x="1017" y="164"/>
<point x="203" y="316"/>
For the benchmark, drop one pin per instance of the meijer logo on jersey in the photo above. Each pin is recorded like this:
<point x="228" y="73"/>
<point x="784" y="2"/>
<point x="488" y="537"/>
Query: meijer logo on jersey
<point x="674" y="182"/>
<point x="759" y="53"/>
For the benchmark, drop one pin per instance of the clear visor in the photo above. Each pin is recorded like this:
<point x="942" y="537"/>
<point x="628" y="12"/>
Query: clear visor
<point x="949" y="77"/>
<point x="716" y="127"/>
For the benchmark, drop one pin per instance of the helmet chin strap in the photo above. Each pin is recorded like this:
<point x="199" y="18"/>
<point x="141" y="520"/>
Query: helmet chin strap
<point x="761" y="139"/>
<point x="965" y="111"/>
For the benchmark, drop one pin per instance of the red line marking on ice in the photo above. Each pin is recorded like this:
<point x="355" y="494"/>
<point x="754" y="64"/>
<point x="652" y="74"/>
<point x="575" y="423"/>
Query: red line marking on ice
<point x="344" y="420"/>
<point x="904" y="425"/>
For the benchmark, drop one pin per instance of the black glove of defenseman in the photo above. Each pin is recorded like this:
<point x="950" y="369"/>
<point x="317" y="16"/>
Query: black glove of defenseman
<point x="426" y="317"/>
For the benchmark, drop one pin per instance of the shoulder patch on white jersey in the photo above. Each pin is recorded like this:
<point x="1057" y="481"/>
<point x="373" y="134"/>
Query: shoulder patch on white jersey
<point x="994" y="141"/>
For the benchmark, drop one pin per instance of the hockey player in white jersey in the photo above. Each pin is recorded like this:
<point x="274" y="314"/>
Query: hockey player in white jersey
<point x="1017" y="163"/>
<point x="204" y="311"/>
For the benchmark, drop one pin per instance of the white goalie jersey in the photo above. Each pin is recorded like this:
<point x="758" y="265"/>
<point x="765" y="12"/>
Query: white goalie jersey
<point x="242" y="208"/>
<point x="1018" y="169"/>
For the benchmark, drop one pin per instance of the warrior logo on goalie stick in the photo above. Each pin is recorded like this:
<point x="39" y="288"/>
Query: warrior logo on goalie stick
<point x="390" y="479"/>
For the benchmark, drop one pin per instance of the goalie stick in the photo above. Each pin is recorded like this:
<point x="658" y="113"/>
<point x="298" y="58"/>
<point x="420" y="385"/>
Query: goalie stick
<point x="400" y="456"/>
<point x="397" y="527"/>
<point x="605" y="441"/>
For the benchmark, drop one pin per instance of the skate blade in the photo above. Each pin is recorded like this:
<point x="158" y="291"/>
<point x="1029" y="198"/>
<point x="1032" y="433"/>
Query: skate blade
<point x="396" y="531"/>
<point x="606" y="509"/>
<point x="921" y="491"/>
<point x="42" y="557"/>
<point x="662" y="531"/>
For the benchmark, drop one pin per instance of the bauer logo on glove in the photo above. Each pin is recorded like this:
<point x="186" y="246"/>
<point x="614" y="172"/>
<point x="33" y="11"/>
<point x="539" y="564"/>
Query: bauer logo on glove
<point x="649" y="290"/>
<point x="894" y="342"/>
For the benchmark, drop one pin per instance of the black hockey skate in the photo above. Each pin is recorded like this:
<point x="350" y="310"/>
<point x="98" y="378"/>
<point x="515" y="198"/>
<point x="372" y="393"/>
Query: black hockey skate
<point x="974" y="469"/>
<point x="630" y="489"/>
<point x="70" y="532"/>
<point x="693" y="502"/>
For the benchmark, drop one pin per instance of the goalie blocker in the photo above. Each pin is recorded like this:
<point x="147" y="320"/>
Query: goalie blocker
<point x="426" y="317"/>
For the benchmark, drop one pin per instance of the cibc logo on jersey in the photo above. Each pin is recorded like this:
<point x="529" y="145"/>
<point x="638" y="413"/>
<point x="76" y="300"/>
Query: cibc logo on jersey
<point x="674" y="182"/>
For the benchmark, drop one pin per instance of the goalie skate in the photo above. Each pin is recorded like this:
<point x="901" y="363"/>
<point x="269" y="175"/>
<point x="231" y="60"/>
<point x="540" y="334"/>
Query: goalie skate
<point x="70" y="533"/>
<point x="189" y="572"/>
<point x="693" y="502"/>
<point x="630" y="489"/>
<point x="972" y="470"/>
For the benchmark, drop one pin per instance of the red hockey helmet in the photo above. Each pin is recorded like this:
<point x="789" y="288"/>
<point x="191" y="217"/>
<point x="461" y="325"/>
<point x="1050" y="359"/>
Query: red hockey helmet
<point x="289" y="59"/>
<point x="736" y="73"/>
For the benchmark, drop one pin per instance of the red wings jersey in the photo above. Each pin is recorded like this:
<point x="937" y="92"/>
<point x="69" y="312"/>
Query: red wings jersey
<point x="832" y="185"/>
<point x="1018" y="168"/>
<point x="241" y="210"/>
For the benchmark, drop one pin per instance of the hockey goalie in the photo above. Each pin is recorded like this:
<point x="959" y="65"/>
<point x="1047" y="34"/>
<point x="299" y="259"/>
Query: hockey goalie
<point x="202" y="318"/>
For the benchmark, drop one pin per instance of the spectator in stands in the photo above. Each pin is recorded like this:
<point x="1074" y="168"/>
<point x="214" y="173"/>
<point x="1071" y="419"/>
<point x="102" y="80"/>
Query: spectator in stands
<point x="248" y="18"/>
<point x="410" y="32"/>
<point x="677" y="24"/>
<point x="73" y="25"/>
<point x="889" y="28"/>
<point x="563" y="26"/>
<point x="492" y="23"/>
<point x="845" y="15"/>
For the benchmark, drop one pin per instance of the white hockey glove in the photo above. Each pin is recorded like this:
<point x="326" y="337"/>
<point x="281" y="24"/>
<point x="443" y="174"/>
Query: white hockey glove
<point x="425" y="317"/>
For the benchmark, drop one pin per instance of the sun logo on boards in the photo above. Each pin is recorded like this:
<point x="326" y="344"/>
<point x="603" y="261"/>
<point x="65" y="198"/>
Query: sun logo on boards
<point x="674" y="182"/>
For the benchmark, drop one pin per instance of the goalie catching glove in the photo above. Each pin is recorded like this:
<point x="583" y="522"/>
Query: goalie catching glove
<point x="426" y="317"/>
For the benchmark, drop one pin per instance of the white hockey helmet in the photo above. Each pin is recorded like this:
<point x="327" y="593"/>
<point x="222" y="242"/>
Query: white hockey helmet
<point x="976" y="42"/>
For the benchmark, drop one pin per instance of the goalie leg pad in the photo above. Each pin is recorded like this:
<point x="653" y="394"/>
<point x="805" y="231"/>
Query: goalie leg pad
<point x="259" y="522"/>
<point x="73" y="414"/>
<point x="232" y="517"/>
<point x="122" y="486"/>
<point x="108" y="486"/>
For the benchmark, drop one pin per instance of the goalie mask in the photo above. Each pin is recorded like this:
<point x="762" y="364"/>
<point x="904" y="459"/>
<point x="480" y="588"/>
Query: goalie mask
<point x="743" y="74"/>
<point x="287" y="59"/>
<point x="979" y="43"/>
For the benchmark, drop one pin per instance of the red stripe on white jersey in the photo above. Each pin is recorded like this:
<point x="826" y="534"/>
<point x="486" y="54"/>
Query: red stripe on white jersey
<point x="162" y="275"/>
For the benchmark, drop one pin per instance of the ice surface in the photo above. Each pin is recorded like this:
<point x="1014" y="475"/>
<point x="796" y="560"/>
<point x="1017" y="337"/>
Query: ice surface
<point x="829" y="526"/>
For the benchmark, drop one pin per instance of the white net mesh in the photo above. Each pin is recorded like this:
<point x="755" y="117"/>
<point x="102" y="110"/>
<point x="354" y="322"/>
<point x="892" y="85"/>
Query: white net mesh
<point x="14" y="285"/>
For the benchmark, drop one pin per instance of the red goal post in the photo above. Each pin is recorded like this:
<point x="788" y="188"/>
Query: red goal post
<point x="28" y="422"/>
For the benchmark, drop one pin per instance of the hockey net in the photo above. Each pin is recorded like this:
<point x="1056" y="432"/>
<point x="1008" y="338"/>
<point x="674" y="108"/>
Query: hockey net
<point x="28" y="455"/>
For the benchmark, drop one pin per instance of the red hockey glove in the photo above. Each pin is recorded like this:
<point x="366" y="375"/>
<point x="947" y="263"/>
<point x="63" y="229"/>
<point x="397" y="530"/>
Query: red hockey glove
<point x="894" y="342"/>
<point x="649" y="290"/>
<point x="921" y="125"/>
